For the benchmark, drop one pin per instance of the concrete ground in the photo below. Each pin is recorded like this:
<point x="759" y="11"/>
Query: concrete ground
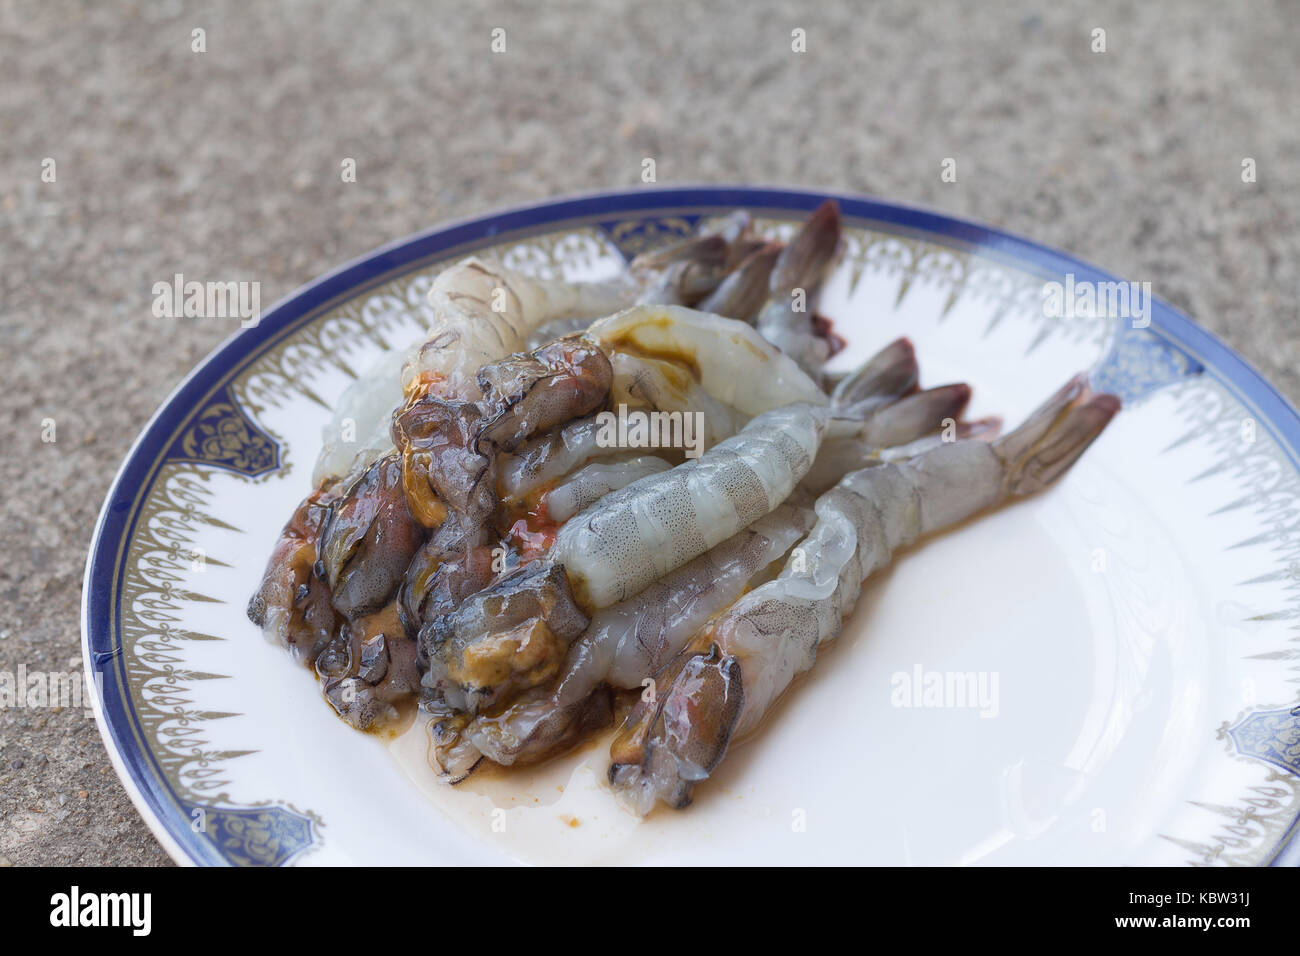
<point x="225" y="164"/>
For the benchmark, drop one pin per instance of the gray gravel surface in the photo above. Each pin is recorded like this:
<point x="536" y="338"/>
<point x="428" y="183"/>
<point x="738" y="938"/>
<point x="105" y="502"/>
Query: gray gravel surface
<point x="225" y="164"/>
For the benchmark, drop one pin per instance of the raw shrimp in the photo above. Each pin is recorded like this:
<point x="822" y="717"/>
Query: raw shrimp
<point x="293" y="606"/>
<point x="719" y="687"/>
<point x="623" y="642"/>
<point x="483" y="312"/>
<point x="676" y="359"/>
<point x="636" y="637"/>
<point x="360" y="556"/>
<point x="796" y="280"/>
<point x="404" y="593"/>
<point x="725" y="358"/>
<point x="681" y="273"/>
<point x="627" y="540"/>
<point x="531" y="618"/>
<point x="840" y="455"/>
<point x="613" y="648"/>
<point x="643" y="531"/>
<point x="743" y="292"/>
<point x="637" y="534"/>
<point x="369" y="672"/>
<point x="368" y="540"/>
<point x="593" y="482"/>
<point x="451" y="450"/>
<point x="548" y="458"/>
<point x="885" y="375"/>
<point x="357" y="433"/>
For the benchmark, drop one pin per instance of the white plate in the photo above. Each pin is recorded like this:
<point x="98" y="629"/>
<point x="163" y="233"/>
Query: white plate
<point x="1128" y="637"/>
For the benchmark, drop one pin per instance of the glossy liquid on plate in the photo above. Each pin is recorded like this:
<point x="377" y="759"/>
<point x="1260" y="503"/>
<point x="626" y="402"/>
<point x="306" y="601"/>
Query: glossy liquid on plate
<point x="556" y="811"/>
<point x="561" y="810"/>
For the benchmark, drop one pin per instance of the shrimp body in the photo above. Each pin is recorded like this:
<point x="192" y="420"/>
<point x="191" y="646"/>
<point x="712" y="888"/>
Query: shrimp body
<point x="483" y="312"/>
<point x="548" y="458"/>
<point x="636" y="637"/>
<point x="593" y="482"/>
<point x="723" y="683"/>
<point x="363" y="413"/>
<point x="635" y="535"/>
<point x="672" y="359"/>
<point x="724" y="358"/>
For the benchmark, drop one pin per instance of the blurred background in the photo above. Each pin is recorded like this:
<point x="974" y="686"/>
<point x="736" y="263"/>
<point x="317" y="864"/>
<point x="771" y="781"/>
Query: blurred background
<point x="225" y="163"/>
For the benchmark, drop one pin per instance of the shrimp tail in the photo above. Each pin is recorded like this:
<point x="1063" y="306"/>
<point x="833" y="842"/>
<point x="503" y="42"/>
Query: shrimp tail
<point x="891" y="371"/>
<point x="806" y="260"/>
<point x="787" y="319"/>
<point x="916" y="414"/>
<point x="693" y="249"/>
<point x="1053" y="437"/>
<point x="682" y="273"/>
<point x="881" y="428"/>
<point x="980" y="429"/>
<point x="743" y="292"/>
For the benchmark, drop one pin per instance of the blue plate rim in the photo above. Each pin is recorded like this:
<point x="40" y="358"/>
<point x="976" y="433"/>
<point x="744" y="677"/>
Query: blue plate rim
<point x="113" y="710"/>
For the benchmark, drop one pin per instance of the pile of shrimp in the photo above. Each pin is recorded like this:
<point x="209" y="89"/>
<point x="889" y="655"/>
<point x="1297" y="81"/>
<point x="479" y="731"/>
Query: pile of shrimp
<point x="487" y="554"/>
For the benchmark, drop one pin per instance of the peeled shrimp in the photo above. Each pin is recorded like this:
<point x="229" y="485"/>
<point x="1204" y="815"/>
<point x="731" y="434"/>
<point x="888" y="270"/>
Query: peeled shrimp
<point x="623" y="543"/>
<point x="483" y="312"/>
<point x="674" y="359"/>
<point x="657" y="621"/>
<point x="363" y="564"/>
<point x="720" y="686"/>
<point x="726" y="358"/>
<point x="548" y="458"/>
<point x="593" y="482"/>
<point x="639" y="533"/>
<point x="622" y="644"/>
<point x="636" y="637"/>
